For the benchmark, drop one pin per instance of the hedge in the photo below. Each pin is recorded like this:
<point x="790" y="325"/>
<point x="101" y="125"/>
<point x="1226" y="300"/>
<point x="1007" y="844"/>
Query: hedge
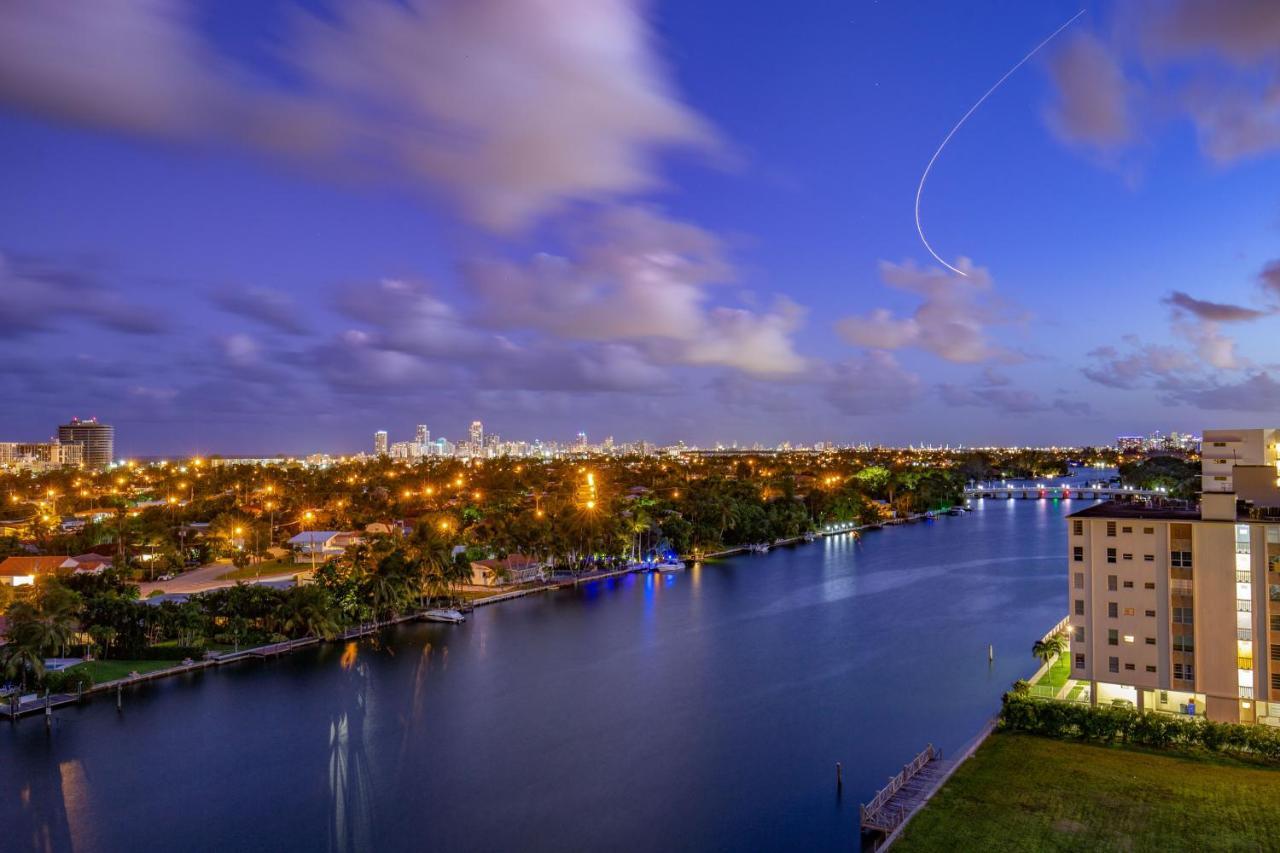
<point x="1108" y="724"/>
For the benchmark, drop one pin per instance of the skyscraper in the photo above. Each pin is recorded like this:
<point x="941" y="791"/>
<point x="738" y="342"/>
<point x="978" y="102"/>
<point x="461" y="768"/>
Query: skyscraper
<point x="477" y="436"/>
<point x="423" y="436"/>
<point x="380" y="442"/>
<point x="98" y="440"/>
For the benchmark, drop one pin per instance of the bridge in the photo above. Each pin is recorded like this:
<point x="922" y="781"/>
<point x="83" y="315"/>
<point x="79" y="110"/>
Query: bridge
<point x="1033" y="491"/>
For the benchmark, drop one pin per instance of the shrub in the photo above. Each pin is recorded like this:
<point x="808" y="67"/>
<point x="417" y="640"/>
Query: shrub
<point x="68" y="680"/>
<point x="1126" y="724"/>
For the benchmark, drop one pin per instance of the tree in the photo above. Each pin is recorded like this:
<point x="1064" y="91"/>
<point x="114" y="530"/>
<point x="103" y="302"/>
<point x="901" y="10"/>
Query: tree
<point x="308" y="611"/>
<point x="1049" y="648"/>
<point x="17" y="659"/>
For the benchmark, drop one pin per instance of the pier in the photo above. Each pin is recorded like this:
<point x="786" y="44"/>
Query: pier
<point x="904" y="793"/>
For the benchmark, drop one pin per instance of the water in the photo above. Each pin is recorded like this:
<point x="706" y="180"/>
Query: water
<point x="684" y="712"/>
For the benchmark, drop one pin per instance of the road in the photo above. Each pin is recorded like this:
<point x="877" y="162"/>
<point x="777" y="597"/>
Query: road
<point x="206" y="578"/>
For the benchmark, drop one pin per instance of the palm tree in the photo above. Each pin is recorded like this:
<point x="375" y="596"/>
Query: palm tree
<point x="308" y="611"/>
<point x="17" y="659"/>
<point x="1049" y="648"/>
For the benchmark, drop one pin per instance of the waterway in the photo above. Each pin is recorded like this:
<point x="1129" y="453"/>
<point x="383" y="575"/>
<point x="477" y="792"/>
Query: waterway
<point x="698" y="711"/>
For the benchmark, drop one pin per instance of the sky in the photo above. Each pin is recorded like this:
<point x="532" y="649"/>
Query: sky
<point x="276" y="226"/>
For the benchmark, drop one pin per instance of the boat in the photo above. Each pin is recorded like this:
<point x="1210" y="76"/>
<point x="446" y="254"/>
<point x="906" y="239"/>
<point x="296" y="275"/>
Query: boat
<point x="444" y="614"/>
<point x="760" y="548"/>
<point x="809" y="537"/>
<point x="669" y="566"/>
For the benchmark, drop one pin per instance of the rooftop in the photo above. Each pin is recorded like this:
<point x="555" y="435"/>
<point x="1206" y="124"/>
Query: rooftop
<point x="1140" y="509"/>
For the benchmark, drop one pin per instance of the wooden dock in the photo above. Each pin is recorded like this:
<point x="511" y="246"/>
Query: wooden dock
<point x="905" y="792"/>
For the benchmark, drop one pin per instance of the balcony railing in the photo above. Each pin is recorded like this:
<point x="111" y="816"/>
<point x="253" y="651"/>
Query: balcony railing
<point x="1183" y="587"/>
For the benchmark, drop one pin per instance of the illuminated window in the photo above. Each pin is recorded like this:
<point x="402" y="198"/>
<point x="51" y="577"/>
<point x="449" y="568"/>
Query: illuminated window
<point x="1128" y="638"/>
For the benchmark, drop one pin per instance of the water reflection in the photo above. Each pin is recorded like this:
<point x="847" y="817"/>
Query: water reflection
<point x="351" y="796"/>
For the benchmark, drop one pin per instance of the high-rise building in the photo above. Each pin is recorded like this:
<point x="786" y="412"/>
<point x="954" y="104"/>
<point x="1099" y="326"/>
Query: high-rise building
<point x="581" y="443"/>
<point x="98" y="440"/>
<point x="380" y="442"/>
<point x="477" y="436"/>
<point x="422" y="436"/>
<point x="1176" y="608"/>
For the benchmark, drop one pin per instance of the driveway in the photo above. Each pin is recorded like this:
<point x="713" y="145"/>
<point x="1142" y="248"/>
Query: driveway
<point x="206" y="578"/>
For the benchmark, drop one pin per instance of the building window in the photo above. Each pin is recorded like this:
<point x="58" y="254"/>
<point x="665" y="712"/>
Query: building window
<point x="1113" y="610"/>
<point x="1128" y="666"/>
<point x="1111" y="555"/>
<point x="1113" y="637"/>
<point x="1183" y="615"/>
<point x="1180" y="559"/>
<point x="1275" y="623"/>
<point x="1128" y="638"/>
<point x="1112" y="582"/>
<point x="1275" y="651"/>
<point x="1079" y="606"/>
<point x="1077" y="554"/>
<point x="1128" y="611"/>
<point x="1079" y="580"/>
<point x="1077" y="527"/>
<point x="1184" y="643"/>
<point x="1128" y="584"/>
<point x="1149" y="558"/>
<point x="1113" y="664"/>
<point x="1151" y="641"/>
<point x="1079" y="633"/>
<point x="1079" y="661"/>
<point x="1149" y="585"/>
<point x="1126" y="529"/>
<point x="1151" y="613"/>
<point x="1127" y="556"/>
<point x="1150" y="668"/>
<point x="1111" y="528"/>
<point x="1148" y="530"/>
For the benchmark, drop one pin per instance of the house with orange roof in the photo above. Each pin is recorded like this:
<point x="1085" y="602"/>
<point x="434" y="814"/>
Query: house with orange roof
<point x="20" y="571"/>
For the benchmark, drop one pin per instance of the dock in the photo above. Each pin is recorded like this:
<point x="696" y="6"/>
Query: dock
<point x="905" y="792"/>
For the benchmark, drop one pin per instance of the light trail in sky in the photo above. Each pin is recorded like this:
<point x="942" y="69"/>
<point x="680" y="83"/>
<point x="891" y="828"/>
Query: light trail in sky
<point x="960" y="123"/>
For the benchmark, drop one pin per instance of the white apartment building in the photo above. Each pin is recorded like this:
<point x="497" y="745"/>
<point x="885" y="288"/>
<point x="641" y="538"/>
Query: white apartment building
<point x="1177" y="609"/>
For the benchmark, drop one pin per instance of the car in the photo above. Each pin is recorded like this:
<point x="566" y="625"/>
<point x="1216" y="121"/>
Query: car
<point x="165" y="578"/>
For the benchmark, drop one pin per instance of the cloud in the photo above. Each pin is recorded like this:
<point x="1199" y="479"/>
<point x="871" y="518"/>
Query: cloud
<point x="634" y="275"/>
<point x="408" y="318"/>
<point x="1144" y="363"/>
<point x="1093" y="104"/>
<point x="1269" y="280"/>
<point x="873" y="383"/>
<point x="1258" y="392"/>
<point x="951" y="322"/>
<point x="269" y="307"/>
<point x="1218" y="312"/>
<point x="1009" y="400"/>
<point x="513" y="107"/>
<point x="40" y="294"/>
<point x="1242" y="31"/>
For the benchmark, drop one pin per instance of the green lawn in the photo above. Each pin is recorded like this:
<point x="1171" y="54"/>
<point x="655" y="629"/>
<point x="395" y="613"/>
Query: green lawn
<point x="1026" y="793"/>
<point x="110" y="670"/>
<point x="266" y="567"/>
<point x="1054" y="677"/>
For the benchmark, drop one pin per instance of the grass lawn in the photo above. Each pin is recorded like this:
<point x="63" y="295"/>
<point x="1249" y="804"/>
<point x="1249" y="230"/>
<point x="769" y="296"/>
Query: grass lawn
<point x="1054" y="677"/>
<point x="110" y="670"/>
<point x="1022" y="792"/>
<point x="266" y="567"/>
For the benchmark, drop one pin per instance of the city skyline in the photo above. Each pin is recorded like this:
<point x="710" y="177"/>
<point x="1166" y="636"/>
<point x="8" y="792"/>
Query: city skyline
<point x="680" y="235"/>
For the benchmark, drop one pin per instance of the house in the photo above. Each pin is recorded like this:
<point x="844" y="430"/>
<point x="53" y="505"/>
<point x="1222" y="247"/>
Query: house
<point x="513" y="569"/>
<point x="91" y="563"/>
<point x="20" y="571"/>
<point x="321" y="545"/>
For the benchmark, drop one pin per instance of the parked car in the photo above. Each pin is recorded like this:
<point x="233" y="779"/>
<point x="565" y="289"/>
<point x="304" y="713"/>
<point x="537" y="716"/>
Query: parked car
<point x="165" y="577"/>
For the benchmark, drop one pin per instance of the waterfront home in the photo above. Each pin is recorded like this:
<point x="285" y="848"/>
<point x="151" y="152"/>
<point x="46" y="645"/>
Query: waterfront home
<point x="512" y="569"/>
<point x="1176" y="607"/>
<point x="321" y="545"/>
<point x="20" y="571"/>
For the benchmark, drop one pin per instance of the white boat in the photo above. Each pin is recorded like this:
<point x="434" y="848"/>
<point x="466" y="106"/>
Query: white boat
<point x="442" y="614"/>
<point x="669" y="566"/>
<point x="809" y="537"/>
<point x="760" y="548"/>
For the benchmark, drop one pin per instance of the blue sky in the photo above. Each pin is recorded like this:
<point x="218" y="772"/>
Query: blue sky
<point x="275" y="227"/>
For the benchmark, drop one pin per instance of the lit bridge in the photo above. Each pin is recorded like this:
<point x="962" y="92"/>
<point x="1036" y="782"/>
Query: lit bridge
<point x="1033" y="492"/>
